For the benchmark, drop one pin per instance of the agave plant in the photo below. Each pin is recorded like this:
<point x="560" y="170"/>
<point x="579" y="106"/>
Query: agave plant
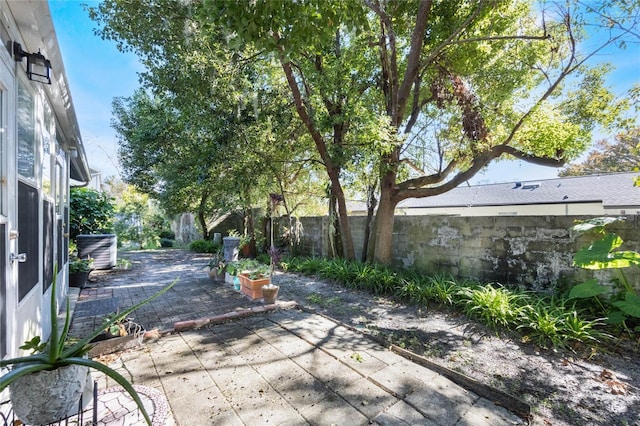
<point x="62" y="351"/>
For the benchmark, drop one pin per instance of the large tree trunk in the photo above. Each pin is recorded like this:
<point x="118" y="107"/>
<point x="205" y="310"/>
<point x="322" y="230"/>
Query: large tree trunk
<point x="384" y="229"/>
<point x="371" y="206"/>
<point x="202" y="220"/>
<point x="348" y="251"/>
<point x="334" y="249"/>
<point x="385" y="218"/>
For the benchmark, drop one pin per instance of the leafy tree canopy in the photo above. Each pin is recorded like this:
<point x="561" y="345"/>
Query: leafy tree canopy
<point x="622" y="155"/>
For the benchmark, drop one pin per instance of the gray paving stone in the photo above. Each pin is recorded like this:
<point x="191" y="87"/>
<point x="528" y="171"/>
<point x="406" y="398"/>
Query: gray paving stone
<point x="362" y="361"/>
<point x="284" y="367"/>
<point x="193" y="382"/>
<point x="261" y="354"/>
<point x="400" y="414"/>
<point x="366" y="397"/>
<point x="293" y="383"/>
<point x="211" y="409"/>
<point x="287" y="343"/>
<point x="485" y="413"/>
<point x="333" y="374"/>
<point x="397" y="381"/>
<point x="333" y="410"/>
<point x="442" y="401"/>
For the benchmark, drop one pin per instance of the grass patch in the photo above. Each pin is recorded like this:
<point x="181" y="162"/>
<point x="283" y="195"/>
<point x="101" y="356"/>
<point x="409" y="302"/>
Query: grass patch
<point x="322" y="301"/>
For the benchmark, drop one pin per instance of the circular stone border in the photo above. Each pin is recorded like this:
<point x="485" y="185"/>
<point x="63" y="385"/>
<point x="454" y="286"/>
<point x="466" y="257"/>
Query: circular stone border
<point x="115" y="405"/>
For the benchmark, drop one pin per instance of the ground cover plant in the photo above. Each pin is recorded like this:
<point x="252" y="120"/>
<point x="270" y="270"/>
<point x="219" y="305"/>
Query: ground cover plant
<point x="620" y="305"/>
<point x="549" y="322"/>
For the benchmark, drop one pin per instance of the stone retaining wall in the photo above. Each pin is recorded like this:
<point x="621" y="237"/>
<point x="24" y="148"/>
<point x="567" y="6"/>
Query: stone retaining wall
<point x="532" y="252"/>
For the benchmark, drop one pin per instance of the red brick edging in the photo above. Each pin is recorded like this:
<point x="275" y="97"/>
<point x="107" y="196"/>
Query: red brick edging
<point x="229" y="316"/>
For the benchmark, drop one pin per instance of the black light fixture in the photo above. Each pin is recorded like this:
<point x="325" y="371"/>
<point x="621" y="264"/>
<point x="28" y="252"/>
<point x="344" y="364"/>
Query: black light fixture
<point x="38" y="67"/>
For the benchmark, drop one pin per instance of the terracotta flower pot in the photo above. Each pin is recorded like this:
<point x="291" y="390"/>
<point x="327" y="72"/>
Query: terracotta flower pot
<point x="253" y="288"/>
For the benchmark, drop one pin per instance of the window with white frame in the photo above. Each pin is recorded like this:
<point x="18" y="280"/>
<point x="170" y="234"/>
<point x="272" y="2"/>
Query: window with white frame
<point x="26" y="133"/>
<point x="48" y="148"/>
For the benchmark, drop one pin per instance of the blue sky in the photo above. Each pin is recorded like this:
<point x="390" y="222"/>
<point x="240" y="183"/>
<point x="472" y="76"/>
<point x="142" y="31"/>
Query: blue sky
<point x="98" y="72"/>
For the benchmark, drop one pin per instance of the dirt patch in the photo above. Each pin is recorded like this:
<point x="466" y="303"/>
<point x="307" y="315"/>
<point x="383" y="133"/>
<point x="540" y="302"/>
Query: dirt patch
<point x="593" y="388"/>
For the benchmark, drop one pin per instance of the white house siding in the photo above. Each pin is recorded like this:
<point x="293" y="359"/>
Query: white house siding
<point x="38" y="128"/>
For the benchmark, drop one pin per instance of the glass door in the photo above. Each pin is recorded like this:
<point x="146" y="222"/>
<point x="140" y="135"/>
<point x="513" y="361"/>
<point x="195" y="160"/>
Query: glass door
<point x="8" y="233"/>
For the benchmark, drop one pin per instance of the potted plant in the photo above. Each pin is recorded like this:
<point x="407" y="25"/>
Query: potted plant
<point x="253" y="275"/>
<point x="232" y="268"/>
<point x="123" y="334"/>
<point x="216" y="265"/>
<point x="79" y="270"/>
<point x="46" y="386"/>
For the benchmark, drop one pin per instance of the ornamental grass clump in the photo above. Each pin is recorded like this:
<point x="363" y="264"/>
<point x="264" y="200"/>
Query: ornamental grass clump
<point x="547" y="322"/>
<point x="495" y="306"/>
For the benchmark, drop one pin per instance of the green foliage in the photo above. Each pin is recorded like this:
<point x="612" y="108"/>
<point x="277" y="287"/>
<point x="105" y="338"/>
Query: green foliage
<point x="630" y="305"/>
<point x="601" y="255"/>
<point x="80" y="265"/>
<point x="90" y="212"/>
<point x="253" y="268"/>
<point x="169" y="235"/>
<point x="423" y="113"/>
<point x="494" y="306"/>
<point x="623" y="306"/>
<point x="622" y="155"/>
<point x="166" y="242"/>
<point x="542" y="324"/>
<point x="204" y="246"/>
<point x="34" y="345"/>
<point x="60" y="350"/>
<point x="545" y="322"/>
<point x="554" y="322"/>
<point x="443" y="288"/>
<point x="590" y="288"/>
<point x="139" y="218"/>
<point x="123" y="263"/>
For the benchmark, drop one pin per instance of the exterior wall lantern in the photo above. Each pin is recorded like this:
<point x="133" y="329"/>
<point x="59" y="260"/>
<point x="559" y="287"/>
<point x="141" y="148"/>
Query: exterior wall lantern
<point x="38" y="67"/>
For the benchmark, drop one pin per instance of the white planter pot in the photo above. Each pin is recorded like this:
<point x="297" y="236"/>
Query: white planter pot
<point x="49" y="396"/>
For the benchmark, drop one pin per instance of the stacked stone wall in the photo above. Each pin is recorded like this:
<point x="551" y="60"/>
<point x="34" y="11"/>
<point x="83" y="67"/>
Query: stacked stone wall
<point x="529" y="252"/>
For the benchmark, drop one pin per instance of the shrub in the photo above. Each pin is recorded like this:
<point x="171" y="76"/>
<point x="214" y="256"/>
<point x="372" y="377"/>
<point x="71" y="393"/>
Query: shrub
<point x="204" y="246"/>
<point x="169" y="235"/>
<point x="90" y="212"/>
<point x="622" y="308"/>
<point x="166" y="242"/>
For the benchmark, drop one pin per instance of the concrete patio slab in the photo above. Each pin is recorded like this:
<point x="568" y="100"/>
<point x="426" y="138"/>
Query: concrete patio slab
<point x="279" y="367"/>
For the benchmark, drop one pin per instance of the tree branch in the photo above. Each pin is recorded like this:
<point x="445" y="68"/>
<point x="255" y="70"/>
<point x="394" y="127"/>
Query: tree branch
<point x="412" y="188"/>
<point x="413" y="62"/>
<point x="525" y="37"/>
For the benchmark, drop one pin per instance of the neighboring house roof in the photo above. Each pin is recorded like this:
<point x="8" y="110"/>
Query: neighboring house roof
<point x="611" y="190"/>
